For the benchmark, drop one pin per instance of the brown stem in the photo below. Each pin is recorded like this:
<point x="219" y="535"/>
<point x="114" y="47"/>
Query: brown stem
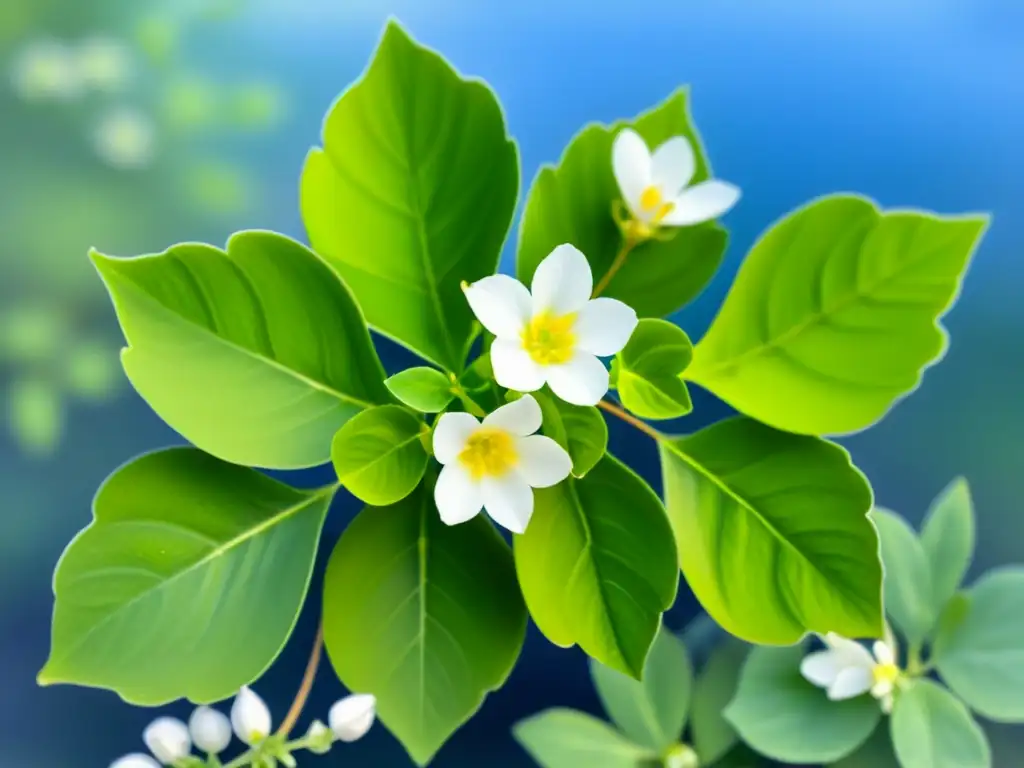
<point x="305" y="686"/>
<point x="630" y="419"/>
<point x="620" y="258"/>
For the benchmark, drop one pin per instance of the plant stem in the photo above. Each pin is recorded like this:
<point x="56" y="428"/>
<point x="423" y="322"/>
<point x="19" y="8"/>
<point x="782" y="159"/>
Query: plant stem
<point x="628" y="244"/>
<point x="644" y="427"/>
<point x="468" y="402"/>
<point x="305" y="686"/>
<point x="243" y="759"/>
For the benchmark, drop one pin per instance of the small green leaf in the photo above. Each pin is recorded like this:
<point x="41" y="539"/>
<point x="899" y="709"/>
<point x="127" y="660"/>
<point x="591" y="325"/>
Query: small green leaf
<point x="649" y="371"/>
<point x="784" y="717"/>
<point x="979" y="651"/>
<point x="427" y="617"/>
<point x="425" y="389"/>
<point x="713" y="735"/>
<point x="745" y="502"/>
<point x="188" y="581"/>
<point x="580" y="429"/>
<point x="412" y="193"/>
<point x="834" y="314"/>
<point x="947" y="537"/>
<point x="257" y="354"/>
<point x="876" y="752"/>
<point x="378" y="455"/>
<point x="597" y="565"/>
<point x="36" y="415"/>
<point x="651" y="712"/>
<point x="908" y="579"/>
<point x="565" y="738"/>
<point x="572" y="203"/>
<point x="932" y="729"/>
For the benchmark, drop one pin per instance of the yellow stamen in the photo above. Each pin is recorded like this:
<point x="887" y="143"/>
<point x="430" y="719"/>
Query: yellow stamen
<point x="885" y="673"/>
<point x="549" y="339"/>
<point x="489" y="453"/>
<point x="653" y="203"/>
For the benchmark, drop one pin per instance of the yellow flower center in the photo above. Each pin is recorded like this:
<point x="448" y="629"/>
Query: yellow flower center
<point x="653" y="203"/>
<point x="549" y="339"/>
<point x="885" y="673"/>
<point x="489" y="453"/>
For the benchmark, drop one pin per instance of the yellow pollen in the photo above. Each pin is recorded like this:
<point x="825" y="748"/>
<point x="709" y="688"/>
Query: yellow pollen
<point x="489" y="453"/>
<point x="885" y="673"/>
<point x="549" y="339"/>
<point x="652" y="202"/>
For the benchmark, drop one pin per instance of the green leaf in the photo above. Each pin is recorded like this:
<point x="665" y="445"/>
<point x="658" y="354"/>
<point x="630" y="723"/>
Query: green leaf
<point x="572" y="203"/>
<point x="908" y="579"/>
<point x="834" y="314"/>
<point x="412" y="193"/>
<point x="597" y="565"/>
<point x="947" y="537"/>
<point x="257" y="354"/>
<point x="784" y="717"/>
<point x="876" y="752"/>
<point x="36" y="415"/>
<point x="188" y="581"/>
<point x="378" y="455"/>
<point x="713" y="735"/>
<point x="745" y="502"/>
<point x="565" y="738"/>
<point x="651" y="712"/>
<point x="932" y="729"/>
<point x="979" y="650"/>
<point x="425" y="389"/>
<point x="426" y="617"/>
<point x="648" y="371"/>
<point x="580" y="429"/>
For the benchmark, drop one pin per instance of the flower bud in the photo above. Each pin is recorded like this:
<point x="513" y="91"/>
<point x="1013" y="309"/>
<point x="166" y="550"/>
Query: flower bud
<point x="352" y="716"/>
<point x="250" y="717"/>
<point x="210" y="729"/>
<point x="319" y="738"/>
<point x="168" y="739"/>
<point x="137" y="760"/>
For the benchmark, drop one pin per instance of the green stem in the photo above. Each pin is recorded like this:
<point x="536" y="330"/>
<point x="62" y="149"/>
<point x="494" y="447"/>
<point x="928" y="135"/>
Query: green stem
<point x="468" y="402"/>
<point x="628" y="244"/>
<point x="630" y="419"/>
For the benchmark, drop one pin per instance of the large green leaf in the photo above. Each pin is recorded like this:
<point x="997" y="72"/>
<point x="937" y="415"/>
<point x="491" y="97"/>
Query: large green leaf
<point x="876" y="752"/>
<point x="426" y="617"/>
<point x="979" y="649"/>
<point x="572" y="203"/>
<point x="947" y="537"/>
<point x="648" y="371"/>
<point x="580" y="429"/>
<point x="772" y="532"/>
<point x="412" y="193"/>
<point x="597" y="565"/>
<point x="713" y="736"/>
<point x="564" y="738"/>
<point x="651" y="712"/>
<point x="834" y="314"/>
<point x="932" y="729"/>
<point x="784" y="717"/>
<point x="256" y="354"/>
<point x="188" y="581"/>
<point x="908" y="578"/>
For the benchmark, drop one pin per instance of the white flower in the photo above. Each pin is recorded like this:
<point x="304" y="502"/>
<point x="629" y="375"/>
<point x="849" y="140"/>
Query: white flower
<point x="104" y="64"/>
<point x="495" y="465"/>
<point x="846" y="669"/>
<point x="210" y="729"/>
<point x="352" y="716"/>
<point x="654" y="185"/>
<point x="46" y="69"/>
<point x="250" y="717"/>
<point x="168" y="739"/>
<point x="554" y="332"/>
<point x="125" y="139"/>
<point x="137" y="760"/>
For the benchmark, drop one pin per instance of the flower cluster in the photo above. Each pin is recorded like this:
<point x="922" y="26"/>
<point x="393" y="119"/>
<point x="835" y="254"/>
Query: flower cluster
<point x="846" y="669"/>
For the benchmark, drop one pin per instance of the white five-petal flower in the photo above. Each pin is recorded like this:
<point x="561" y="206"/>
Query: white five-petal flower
<point x="352" y="716"/>
<point x="654" y="184"/>
<point x="845" y="669"/>
<point x="496" y="464"/>
<point x="250" y="717"/>
<point x="553" y="333"/>
<point x="135" y="760"/>
<point x="168" y="739"/>
<point x="210" y="729"/>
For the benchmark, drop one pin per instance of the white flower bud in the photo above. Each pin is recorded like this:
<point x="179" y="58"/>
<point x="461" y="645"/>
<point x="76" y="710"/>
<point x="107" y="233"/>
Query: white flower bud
<point x="168" y="739"/>
<point x="210" y="729"/>
<point x="319" y="738"/>
<point x="352" y="716"/>
<point x="250" y="717"/>
<point x="137" y="760"/>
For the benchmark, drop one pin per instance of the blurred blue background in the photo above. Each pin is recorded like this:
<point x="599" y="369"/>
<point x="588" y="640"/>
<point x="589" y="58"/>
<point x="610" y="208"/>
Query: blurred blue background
<point x="129" y="126"/>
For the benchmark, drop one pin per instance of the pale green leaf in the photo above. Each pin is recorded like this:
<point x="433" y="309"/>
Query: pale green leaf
<point x="188" y="581"/>
<point x="427" y="617"/>
<point x="947" y="537"/>
<point x="908" y="579"/>
<point x="876" y="752"/>
<point x="564" y="738"/>
<point x="713" y="735"/>
<point x="36" y="415"/>
<point x="580" y="429"/>
<point x="932" y="729"/>
<point x="572" y="203"/>
<point x="834" y="314"/>
<point x="412" y="193"/>
<point x="257" y="354"/>
<point x="425" y="389"/>
<point x="745" y="502"/>
<point x="649" y="368"/>
<point x="597" y="565"/>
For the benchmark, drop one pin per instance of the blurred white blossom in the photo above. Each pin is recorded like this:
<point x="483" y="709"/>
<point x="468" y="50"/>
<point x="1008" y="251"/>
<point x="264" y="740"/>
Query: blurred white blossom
<point x="250" y="717"/>
<point x="137" y="760"/>
<point x="352" y="716"/>
<point x="46" y="69"/>
<point x="168" y="739"/>
<point x="210" y="729"/>
<point x="104" y="64"/>
<point x="319" y="738"/>
<point x="125" y="138"/>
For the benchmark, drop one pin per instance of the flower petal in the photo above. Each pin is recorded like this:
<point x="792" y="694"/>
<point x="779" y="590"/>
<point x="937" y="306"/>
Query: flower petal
<point x="542" y="461"/>
<point x="210" y="729"/>
<point x="850" y="682"/>
<point x="457" y="496"/>
<point x="581" y="381"/>
<point x="631" y="163"/>
<point x="702" y="202"/>
<point x="352" y="716"/>
<point x="501" y="304"/>
<point x="508" y="500"/>
<point x="882" y="688"/>
<point x="604" y="326"/>
<point x="135" y="760"/>
<point x="451" y="433"/>
<point x="521" y="417"/>
<point x="883" y="653"/>
<point x="514" y="368"/>
<point x="250" y="717"/>
<point x="563" y="282"/>
<point x="850" y="652"/>
<point x="673" y="165"/>
<point x="820" y="668"/>
<point x="168" y="739"/>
